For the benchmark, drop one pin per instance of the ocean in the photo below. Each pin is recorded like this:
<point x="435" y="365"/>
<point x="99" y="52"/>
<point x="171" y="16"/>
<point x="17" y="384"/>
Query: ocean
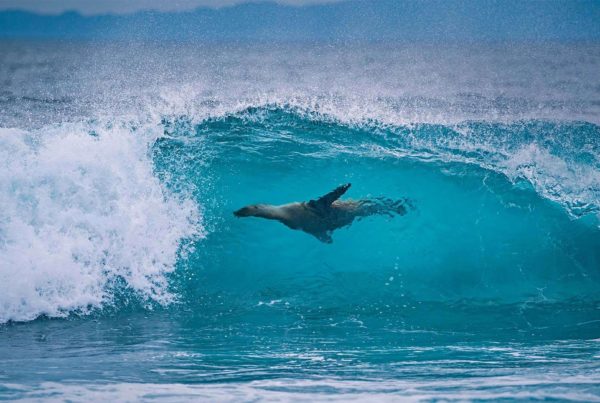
<point x="124" y="274"/>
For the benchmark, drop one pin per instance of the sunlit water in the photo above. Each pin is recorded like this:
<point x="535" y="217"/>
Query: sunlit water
<point x="125" y="275"/>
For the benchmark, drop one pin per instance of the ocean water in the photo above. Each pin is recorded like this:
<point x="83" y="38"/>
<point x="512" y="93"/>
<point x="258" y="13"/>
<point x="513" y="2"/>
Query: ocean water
<point x="124" y="274"/>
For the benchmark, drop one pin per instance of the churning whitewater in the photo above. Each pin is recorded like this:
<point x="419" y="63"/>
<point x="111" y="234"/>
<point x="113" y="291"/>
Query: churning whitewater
<point x="83" y="215"/>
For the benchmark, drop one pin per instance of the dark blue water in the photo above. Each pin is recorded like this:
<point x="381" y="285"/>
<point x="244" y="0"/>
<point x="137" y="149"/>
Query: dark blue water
<point x="124" y="274"/>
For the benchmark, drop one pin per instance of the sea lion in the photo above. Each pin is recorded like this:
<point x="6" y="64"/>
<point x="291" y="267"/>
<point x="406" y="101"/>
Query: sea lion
<point x="324" y="215"/>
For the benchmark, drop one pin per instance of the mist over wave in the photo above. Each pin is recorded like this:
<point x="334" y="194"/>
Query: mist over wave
<point x="393" y="84"/>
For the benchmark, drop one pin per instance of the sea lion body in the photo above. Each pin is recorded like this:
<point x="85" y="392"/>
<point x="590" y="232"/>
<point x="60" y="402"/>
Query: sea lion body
<point x="322" y="216"/>
<point x="302" y="216"/>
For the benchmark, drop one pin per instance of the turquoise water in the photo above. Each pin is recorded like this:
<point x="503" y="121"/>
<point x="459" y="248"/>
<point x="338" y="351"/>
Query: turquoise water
<point x="125" y="275"/>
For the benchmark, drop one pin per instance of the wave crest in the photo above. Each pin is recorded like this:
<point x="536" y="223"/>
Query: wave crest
<point x="560" y="160"/>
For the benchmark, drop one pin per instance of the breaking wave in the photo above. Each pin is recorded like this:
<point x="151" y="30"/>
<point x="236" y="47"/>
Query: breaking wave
<point x="99" y="215"/>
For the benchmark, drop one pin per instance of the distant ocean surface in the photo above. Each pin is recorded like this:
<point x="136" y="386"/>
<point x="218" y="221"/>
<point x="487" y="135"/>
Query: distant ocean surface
<point x="124" y="274"/>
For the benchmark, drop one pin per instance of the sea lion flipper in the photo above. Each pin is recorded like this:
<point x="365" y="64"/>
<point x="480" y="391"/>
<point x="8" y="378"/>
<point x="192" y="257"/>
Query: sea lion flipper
<point x="324" y="237"/>
<point x="326" y="200"/>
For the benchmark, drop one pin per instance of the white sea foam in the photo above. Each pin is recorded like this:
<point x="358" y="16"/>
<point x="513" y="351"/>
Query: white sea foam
<point x="81" y="212"/>
<point x="519" y="388"/>
<point x="576" y="186"/>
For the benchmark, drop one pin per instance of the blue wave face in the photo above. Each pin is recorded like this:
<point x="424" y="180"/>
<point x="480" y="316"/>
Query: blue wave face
<point x="490" y="239"/>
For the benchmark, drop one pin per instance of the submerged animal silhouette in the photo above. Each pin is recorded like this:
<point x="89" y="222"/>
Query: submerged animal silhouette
<point x="324" y="215"/>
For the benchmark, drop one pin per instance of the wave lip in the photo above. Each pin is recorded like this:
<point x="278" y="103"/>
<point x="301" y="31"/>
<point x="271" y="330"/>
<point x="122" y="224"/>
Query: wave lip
<point x="83" y="215"/>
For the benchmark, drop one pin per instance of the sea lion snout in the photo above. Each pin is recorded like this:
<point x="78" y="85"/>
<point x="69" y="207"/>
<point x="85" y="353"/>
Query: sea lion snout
<point x="247" y="211"/>
<point x="243" y="212"/>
